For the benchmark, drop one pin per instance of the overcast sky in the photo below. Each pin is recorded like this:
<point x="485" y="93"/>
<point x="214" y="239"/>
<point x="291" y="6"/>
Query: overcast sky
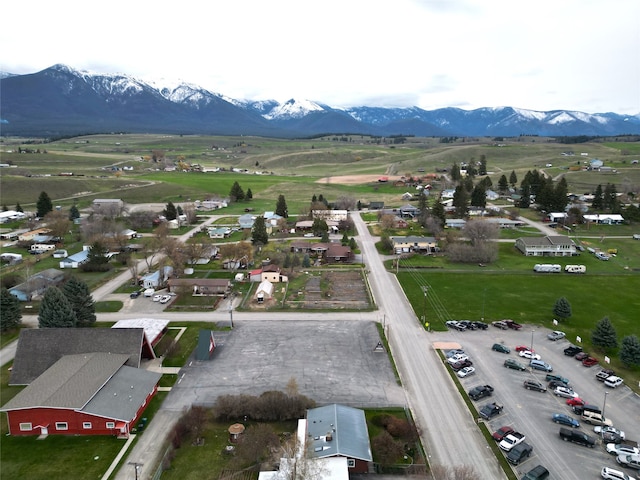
<point x="542" y="55"/>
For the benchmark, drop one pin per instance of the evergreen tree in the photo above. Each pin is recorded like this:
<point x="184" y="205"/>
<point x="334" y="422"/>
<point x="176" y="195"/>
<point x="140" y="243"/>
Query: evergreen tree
<point x="170" y="212"/>
<point x="455" y="172"/>
<point x="10" y="316"/>
<point x="486" y="183"/>
<point x="439" y="212"/>
<point x="259" y="232"/>
<point x="610" y="198"/>
<point x="179" y="210"/>
<point x="345" y="239"/>
<point x="236" y="194"/>
<point x="281" y="207"/>
<point x="314" y="199"/>
<point x="5" y="208"/>
<point x="79" y="296"/>
<point x="562" y="309"/>
<point x="597" y="203"/>
<point x="479" y="196"/>
<point x="287" y="261"/>
<point x="319" y="227"/>
<point x="604" y="334"/>
<point x="74" y="213"/>
<point x="44" y="205"/>
<point x="423" y="207"/>
<point x="249" y="194"/>
<point x="295" y="261"/>
<point x="55" y="310"/>
<point x="560" y="198"/>
<point x="461" y="201"/>
<point x="325" y="237"/>
<point x="19" y="208"/>
<point x="482" y="169"/>
<point x="525" y="198"/>
<point x="630" y="351"/>
<point x="503" y="186"/>
<point x="513" y="179"/>
<point x="353" y="245"/>
<point x="306" y="261"/>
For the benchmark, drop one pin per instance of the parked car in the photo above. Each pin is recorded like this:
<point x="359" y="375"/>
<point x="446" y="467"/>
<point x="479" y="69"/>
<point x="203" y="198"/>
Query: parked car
<point x="500" y="324"/>
<point x="537" y="473"/>
<point x="135" y="294"/>
<point x="519" y="453"/>
<point x="565" y="420"/>
<point x="589" y="362"/>
<point x="466" y="371"/>
<point x="613" y="381"/>
<point x="156" y="298"/>
<point x="456" y="351"/>
<point x="600" y="430"/>
<point x="603" y="374"/>
<point x="556" y="335"/>
<point x="622" y="449"/>
<point x="481" y="391"/>
<point x="514" y="364"/>
<point x="576" y="436"/>
<point x="149" y="292"/>
<point x="533" y="385"/>
<point x="629" y="461"/>
<point x="580" y="356"/>
<point x="458" y="357"/>
<point x="455" y="325"/>
<point x="595" y="418"/>
<point x="165" y="299"/>
<point x="522" y="348"/>
<point x="480" y="325"/>
<point x="468" y="325"/>
<point x="502" y="432"/>
<point x="572" y="350"/>
<point x="490" y="410"/>
<point x="558" y="378"/>
<point x="575" y="401"/>
<point x="530" y="355"/>
<point x="513" y="325"/>
<point x="540" y="365"/>
<point x="555" y="383"/>
<point x="611" y="474"/>
<point x="498" y="347"/>
<point x="460" y="365"/>
<point x="565" y="392"/>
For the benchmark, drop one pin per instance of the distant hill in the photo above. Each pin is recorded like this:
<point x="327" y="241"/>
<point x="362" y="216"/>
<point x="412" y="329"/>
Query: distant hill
<point x="61" y="101"/>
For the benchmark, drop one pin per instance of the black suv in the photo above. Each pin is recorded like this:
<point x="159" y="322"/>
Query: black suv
<point x="537" y="473"/>
<point x="533" y="385"/>
<point x="572" y="350"/>
<point x="577" y="436"/>
<point x="519" y="453"/>
<point x="481" y="391"/>
<point x="490" y="410"/>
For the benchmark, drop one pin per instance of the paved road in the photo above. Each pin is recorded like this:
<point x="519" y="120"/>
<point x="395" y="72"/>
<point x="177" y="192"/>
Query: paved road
<point x="448" y="431"/>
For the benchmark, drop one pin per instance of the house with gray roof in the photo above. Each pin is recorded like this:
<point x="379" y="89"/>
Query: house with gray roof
<point x="39" y="348"/>
<point x="36" y="284"/>
<point x="549" y="246"/>
<point x="414" y="243"/>
<point x="83" y="394"/>
<point x="340" y="431"/>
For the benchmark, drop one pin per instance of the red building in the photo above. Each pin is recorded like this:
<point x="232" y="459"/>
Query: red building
<point x="84" y="394"/>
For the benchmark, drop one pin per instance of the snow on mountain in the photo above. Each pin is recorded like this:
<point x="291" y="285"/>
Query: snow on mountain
<point x="293" y="109"/>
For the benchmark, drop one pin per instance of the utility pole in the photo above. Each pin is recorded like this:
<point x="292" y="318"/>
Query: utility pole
<point x="136" y="466"/>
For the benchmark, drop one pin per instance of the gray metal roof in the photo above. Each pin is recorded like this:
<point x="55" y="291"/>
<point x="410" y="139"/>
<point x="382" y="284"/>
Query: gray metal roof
<point x="69" y="383"/>
<point x="123" y="394"/>
<point x="347" y="427"/>
<point x="548" y="240"/>
<point x="38" y="349"/>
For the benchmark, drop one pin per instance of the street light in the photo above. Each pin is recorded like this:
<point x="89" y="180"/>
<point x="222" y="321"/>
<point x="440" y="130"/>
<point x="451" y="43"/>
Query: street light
<point x="532" y="340"/>
<point x="424" y="305"/>
<point x="136" y="466"/>
<point x="604" y="405"/>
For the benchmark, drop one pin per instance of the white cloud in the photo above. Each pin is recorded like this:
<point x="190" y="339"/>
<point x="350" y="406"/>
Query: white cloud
<point x="580" y="55"/>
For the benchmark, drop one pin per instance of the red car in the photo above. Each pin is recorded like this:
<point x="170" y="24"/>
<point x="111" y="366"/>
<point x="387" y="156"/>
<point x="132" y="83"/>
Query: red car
<point x="575" y="402"/>
<point x="502" y="432"/>
<point x="590" y="362"/>
<point x="581" y="356"/>
<point x="521" y="348"/>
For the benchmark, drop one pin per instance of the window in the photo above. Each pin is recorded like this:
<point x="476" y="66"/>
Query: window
<point x="111" y="425"/>
<point x="62" y="426"/>
<point x="351" y="462"/>
<point x="26" y="427"/>
<point x="86" y="425"/>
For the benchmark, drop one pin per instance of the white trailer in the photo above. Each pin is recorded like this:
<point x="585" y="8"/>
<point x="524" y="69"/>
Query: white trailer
<point x="575" y="269"/>
<point x="547" y="268"/>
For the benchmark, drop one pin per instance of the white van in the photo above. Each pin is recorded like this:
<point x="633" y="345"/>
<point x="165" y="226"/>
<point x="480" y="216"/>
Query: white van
<point x="149" y="292"/>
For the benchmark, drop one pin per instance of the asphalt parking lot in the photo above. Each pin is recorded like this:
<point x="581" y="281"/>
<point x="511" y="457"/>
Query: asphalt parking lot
<point x="331" y="361"/>
<point x="530" y="412"/>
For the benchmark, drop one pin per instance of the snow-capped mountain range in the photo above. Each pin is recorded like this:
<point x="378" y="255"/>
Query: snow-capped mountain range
<point x="61" y="101"/>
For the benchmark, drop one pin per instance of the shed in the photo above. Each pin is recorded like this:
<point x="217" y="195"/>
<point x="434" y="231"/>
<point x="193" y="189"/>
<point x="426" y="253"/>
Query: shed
<point x="264" y="291"/>
<point x="75" y="260"/>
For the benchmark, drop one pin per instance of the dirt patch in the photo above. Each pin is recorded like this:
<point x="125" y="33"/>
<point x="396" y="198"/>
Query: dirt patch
<point x="337" y="290"/>
<point x="356" y="179"/>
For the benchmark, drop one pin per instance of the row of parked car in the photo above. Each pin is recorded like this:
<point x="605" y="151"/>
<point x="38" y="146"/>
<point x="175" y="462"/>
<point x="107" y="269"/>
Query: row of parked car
<point x="464" y="325"/>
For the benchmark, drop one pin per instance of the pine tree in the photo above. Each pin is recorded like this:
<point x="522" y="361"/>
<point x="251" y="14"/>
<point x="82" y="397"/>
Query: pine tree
<point x="249" y="194"/>
<point x="236" y="194"/>
<point x="455" y="172"/>
<point x="479" y="196"/>
<point x="562" y="308"/>
<point x="482" y="169"/>
<point x="19" y="208"/>
<point x="597" y="202"/>
<point x="461" y="201"/>
<point x="55" y="310"/>
<point x="259" y="233"/>
<point x="281" y="207"/>
<point x="79" y="296"/>
<point x="10" y="316"/>
<point x="44" y="205"/>
<point x="604" y="334"/>
<point x="438" y="211"/>
<point x="630" y="351"/>
<point x="306" y="261"/>
<point x="170" y="212"/>
<point x="74" y="213"/>
<point x="503" y="186"/>
<point x="513" y="179"/>
<point x="345" y="239"/>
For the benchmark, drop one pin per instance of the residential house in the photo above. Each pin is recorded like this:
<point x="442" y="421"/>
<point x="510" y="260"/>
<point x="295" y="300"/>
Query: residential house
<point x="200" y="286"/>
<point x="448" y="193"/>
<point x="455" y="223"/>
<point x="77" y="259"/>
<point x="157" y="279"/>
<point x="399" y="222"/>
<point x="491" y="195"/>
<point x="85" y="394"/>
<point x="549" y="246"/>
<point x="376" y="205"/>
<point x="269" y="273"/>
<point x="605" y="219"/>
<point x="219" y="232"/>
<point x="407" y="196"/>
<point x="36" y="284"/>
<point x="330" y="215"/>
<point x="414" y="243"/>
<point x="504" y="222"/>
<point x="408" y="211"/>
<point x="246" y="221"/>
<point x="28" y="236"/>
<point x="110" y="206"/>
<point x="337" y="253"/>
<point x="39" y="348"/>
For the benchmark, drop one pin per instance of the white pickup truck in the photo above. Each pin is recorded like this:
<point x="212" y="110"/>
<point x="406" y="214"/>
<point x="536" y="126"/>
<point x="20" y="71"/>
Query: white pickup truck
<point x="511" y="441"/>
